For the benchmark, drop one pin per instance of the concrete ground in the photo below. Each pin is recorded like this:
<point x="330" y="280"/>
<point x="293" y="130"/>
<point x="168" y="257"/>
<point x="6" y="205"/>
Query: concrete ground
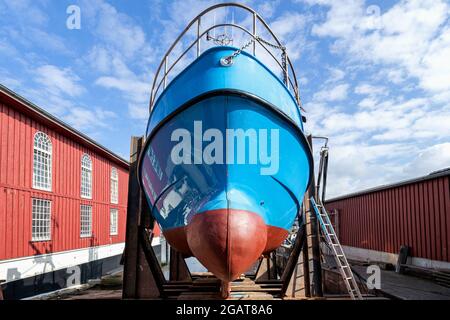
<point x="406" y="287"/>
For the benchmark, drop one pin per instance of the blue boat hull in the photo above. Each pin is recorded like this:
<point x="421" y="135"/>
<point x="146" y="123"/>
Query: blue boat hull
<point x="224" y="169"/>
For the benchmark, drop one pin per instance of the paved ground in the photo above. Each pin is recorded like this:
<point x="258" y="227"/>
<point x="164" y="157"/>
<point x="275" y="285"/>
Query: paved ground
<point x="109" y="288"/>
<point x="393" y="285"/>
<point x="407" y="287"/>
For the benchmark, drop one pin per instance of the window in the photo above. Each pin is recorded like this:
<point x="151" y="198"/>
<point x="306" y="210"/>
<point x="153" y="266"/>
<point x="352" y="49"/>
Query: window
<point x="42" y="162"/>
<point x="113" y="222"/>
<point x="114" y="186"/>
<point x="86" y="177"/>
<point x="85" y="221"/>
<point x="41" y="218"/>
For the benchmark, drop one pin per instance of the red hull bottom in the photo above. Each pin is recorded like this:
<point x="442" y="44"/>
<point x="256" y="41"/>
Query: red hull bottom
<point x="227" y="241"/>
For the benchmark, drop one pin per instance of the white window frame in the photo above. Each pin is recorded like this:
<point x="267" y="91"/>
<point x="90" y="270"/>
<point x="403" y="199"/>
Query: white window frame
<point x="85" y="221"/>
<point x="86" y="177"/>
<point x="114" y="186"/>
<point x="41" y="220"/>
<point x="42" y="162"/>
<point x="113" y="222"/>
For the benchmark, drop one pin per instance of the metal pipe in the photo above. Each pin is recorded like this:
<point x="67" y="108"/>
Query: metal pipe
<point x="254" y="33"/>
<point x="319" y="180"/>
<point x="199" y="23"/>
<point x="165" y="71"/>
<point x="325" y="173"/>
<point x="322" y="138"/>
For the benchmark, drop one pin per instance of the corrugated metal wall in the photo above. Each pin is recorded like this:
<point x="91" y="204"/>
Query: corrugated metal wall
<point x="417" y="214"/>
<point x="16" y="164"/>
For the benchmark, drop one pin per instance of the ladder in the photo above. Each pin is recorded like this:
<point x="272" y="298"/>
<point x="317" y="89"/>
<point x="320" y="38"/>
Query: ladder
<point x="333" y="242"/>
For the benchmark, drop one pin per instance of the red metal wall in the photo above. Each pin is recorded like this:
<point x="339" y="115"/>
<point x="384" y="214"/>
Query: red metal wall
<point x="417" y="214"/>
<point x="16" y="193"/>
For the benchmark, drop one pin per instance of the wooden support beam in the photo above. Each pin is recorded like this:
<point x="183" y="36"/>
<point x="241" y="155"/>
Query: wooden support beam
<point x="306" y="271"/>
<point x="266" y="270"/>
<point x="179" y="270"/>
<point x="290" y="275"/>
<point x="314" y="236"/>
<point x="131" y="236"/>
<point x="143" y="277"/>
<point x="150" y="280"/>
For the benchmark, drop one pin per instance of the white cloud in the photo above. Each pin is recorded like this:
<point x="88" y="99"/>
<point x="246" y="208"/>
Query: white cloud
<point x="100" y="59"/>
<point x="368" y="103"/>
<point x="123" y="55"/>
<point x="336" y="75"/>
<point x="134" y="89"/>
<point x="59" y="80"/>
<point x="434" y="71"/>
<point x="367" y="89"/>
<point x="24" y="11"/>
<point x="409" y="35"/>
<point x="138" y="112"/>
<point x="116" y="29"/>
<point x="288" y="23"/>
<point x="357" y="166"/>
<point x="431" y="159"/>
<point x="87" y="120"/>
<point x="395" y="127"/>
<point x="335" y="93"/>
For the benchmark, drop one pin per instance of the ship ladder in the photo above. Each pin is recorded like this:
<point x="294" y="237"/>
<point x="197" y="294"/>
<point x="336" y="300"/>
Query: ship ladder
<point x="338" y="253"/>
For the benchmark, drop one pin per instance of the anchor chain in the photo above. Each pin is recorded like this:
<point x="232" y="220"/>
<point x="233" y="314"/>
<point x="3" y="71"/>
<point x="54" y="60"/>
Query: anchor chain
<point x="229" y="60"/>
<point x="221" y="39"/>
<point x="283" y="55"/>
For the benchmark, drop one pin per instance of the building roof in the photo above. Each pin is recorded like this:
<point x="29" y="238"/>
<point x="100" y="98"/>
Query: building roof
<point x="32" y="110"/>
<point x="434" y="175"/>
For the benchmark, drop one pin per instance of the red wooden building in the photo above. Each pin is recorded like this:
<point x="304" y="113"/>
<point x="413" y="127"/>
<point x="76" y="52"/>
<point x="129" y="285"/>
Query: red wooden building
<point x="374" y="224"/>
<point x="63" y="201"/>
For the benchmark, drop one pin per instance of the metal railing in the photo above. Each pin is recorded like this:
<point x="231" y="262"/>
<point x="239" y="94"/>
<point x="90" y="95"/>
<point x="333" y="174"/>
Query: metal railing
<point x="164" y="69"/>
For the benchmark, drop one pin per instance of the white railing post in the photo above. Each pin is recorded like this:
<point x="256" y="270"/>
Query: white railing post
<point x="254" y="34"/>
<point x="287" y="74"/>
<point x="165" y="71"/>
<point x="199" y="23"/>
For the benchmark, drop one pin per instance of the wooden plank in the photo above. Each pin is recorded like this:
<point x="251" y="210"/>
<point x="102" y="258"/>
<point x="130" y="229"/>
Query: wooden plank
<point x="131" y="235"/>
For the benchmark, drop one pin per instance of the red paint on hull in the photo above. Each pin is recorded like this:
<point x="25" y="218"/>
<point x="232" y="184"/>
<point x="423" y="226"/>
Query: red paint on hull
<point x="227" y="242"/>
<point x="176" y="237"/>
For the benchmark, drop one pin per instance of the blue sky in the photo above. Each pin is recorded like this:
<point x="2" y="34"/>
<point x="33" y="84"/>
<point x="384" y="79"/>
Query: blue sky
<point x="375" y="75"/>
